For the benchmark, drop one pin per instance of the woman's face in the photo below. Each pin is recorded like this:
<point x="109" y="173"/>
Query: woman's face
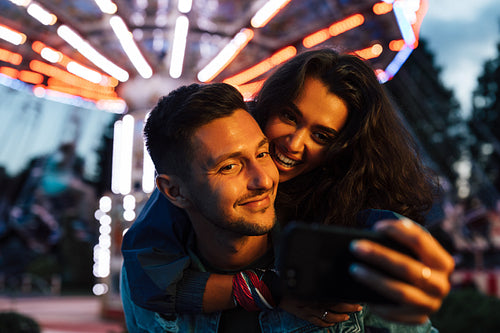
<point x="301" y="132"/>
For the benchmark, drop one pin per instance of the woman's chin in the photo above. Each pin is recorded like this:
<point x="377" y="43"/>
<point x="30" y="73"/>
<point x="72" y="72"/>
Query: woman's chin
<point x="286" y="175"/>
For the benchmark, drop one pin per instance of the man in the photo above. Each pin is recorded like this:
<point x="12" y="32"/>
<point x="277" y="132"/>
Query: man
<point x="213" y="165"/>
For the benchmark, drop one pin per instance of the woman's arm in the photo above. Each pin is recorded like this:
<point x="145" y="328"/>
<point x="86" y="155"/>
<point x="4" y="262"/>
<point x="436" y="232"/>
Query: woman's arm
<point x="218" y="295"/>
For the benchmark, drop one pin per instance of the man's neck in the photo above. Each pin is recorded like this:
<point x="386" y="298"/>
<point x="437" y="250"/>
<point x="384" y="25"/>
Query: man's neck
<point x="227" y="251"/>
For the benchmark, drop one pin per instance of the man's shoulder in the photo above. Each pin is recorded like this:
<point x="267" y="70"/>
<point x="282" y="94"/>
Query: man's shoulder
<point x="158" y="220"/>
<point x="155" y="208"/>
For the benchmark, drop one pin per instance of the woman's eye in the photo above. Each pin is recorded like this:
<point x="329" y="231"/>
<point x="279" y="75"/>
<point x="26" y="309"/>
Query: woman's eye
<point x="322" y="138"/>
<point x="288" y="116"/>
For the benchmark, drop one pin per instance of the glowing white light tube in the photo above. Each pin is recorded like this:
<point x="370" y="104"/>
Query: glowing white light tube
<point x="179" y="46"/>
<point x="184" y="6"/>
<point x="126" y="154"/>
<point x="40" y="14"/>
<point x="148" y="173"/>
<point x="22" y="3"/>
<point x="404" y="25"/>
<point x="77" y="42"/>
<point x="267" y="12"/>
<point x="12" y="36"/>
<point x="51" y="55"/>
<point x="226" y="55"/>
<point x="123" y="141"/>
<point x="130" y="47"/>
<point x="84" y="72"/>
<point x="115" y="169"/>
<point x="106" y="6"/>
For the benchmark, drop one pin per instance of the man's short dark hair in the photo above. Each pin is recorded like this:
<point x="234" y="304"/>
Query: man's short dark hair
<point x="173" y="121"/>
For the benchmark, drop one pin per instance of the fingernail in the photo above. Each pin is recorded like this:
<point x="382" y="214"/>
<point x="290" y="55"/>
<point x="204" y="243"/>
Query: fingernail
<point x="359" y="247"/>
<point x="354" y="269"/>
<point x="381" y="225"/>
<point x="407" y="223"/>
<point x="358" y="271"/>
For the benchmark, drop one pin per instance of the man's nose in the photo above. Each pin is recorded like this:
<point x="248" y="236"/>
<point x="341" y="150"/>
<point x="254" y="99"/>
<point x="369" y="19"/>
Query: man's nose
<point x="260" y="177"/>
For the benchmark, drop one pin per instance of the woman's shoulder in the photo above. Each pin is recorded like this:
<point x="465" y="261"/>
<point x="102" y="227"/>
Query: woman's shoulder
<point x="368" y="217"/>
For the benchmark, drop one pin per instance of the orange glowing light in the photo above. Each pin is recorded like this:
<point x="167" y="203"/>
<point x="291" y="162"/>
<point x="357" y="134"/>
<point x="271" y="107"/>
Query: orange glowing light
<point x="250" y="90"/>
<point x="71" y="84"/>
<point x="335" y="29"/>
<point x="76" y="91"/>
<point x="64" y="60"/>
<point x="316" y="38"/>
<point x="10" y="57"/>
<point x="382" y="8"/>
<point x="396" y="45"/>
<point x="262" y="67"/>
<point x="37" y="46"/>
<point x="370" y="52"/>
<point x="9" y="71"/>
<point x="30" y="77"/>
<point x="91" y="88"/>
<point x="346" y="24"/>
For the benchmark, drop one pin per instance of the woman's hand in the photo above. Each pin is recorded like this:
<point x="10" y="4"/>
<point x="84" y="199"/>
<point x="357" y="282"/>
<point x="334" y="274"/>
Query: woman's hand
<point x="319" y="314"/>
<point x="427" y="279"/>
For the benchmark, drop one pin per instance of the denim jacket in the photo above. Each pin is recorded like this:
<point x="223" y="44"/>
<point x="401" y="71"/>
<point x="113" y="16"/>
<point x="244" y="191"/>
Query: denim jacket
<point x="140" y="320"/>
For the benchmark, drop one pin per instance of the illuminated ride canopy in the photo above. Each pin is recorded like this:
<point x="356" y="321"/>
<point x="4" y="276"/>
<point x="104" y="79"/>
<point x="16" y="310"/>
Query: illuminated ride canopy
<point x="88" y="48"/>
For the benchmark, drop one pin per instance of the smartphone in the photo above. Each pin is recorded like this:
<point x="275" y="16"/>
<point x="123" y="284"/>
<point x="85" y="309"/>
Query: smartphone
<point x="314" y="261"/>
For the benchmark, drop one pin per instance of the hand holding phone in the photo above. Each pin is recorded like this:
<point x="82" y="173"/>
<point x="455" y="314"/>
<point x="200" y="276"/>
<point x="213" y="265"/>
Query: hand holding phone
<point x="314" y="263"/>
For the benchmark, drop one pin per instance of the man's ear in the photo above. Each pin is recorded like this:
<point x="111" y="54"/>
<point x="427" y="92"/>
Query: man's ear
<point x="173" y="188"/>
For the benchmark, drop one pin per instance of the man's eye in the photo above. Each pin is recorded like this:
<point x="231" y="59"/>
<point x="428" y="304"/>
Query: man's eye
<point x="228" y="167"/>
<point x="263" y="154"/>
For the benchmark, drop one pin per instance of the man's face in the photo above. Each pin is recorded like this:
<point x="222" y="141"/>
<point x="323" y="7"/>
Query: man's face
<point x="233" y="179"/>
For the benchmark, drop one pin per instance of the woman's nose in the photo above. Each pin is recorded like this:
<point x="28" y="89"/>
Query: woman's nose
<point x="295" y="141"/>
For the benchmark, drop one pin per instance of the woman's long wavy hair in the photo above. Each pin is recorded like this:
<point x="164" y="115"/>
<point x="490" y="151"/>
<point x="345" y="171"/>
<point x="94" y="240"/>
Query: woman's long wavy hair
<point x="374" y="161"/>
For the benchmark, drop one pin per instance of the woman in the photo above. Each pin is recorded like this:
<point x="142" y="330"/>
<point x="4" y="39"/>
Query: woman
<point x="358" y="156"/>
<point x="336" y="166"/>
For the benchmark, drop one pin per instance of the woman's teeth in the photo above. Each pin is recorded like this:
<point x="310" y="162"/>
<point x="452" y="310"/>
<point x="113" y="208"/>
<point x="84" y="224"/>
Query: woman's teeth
<point x="282" y="159"/>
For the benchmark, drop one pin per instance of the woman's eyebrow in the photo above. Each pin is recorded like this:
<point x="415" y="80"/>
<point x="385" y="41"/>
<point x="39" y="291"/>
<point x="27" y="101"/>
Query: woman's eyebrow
<point x="295" y="108"/>
<point x="297" y="111"/>
<point x="332" y="131"/>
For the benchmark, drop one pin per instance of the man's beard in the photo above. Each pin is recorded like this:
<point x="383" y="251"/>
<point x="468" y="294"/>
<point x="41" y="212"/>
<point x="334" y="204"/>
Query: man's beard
<point x="244" y="227"/>
<point x="240" y="225"/>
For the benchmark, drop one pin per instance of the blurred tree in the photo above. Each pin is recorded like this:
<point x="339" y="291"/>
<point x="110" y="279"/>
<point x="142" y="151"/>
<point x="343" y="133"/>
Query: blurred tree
<point x="13" y="322"/>
<point x="485" y="120"/>
<point x="467" y="310"/>
<point x="430" y="110"/>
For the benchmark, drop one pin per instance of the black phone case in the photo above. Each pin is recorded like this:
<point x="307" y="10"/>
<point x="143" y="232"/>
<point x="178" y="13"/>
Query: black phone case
<point x="314" y="263"/>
